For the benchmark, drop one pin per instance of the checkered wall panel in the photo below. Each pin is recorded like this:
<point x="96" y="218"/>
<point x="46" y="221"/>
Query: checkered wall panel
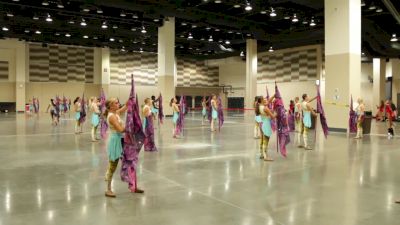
<point x="57" y="63"/>
<point x="143" y="66"/>
<point x="288" y="66"/>
<point x="194" y="73"/>
<point x="3" y="70"/>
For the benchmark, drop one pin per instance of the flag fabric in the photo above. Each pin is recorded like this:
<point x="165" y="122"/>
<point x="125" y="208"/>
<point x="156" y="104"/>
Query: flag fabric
<point x="58" y="102"/>
<point x="160" y="109"/>
<point x="133" y="140"/>
<point x="65" y="104"/>
<point x="82" y="117"/>
<point x="220" y="113"/>
<point x="320" y="110"/>
<point x="209" y="109"/>
<point x="35" y="104"/>
<point x="181" y="119"/>
<point x="352" y="118"/>
<point x="271" y="108"/>
<point x="281" y="123"/>
<point x="103" y="120"/>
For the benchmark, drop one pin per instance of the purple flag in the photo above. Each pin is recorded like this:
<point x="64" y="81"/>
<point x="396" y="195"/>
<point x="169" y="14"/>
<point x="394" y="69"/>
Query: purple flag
<point x="82" y="118"/>
<point x="65" y="104"/>
<point x="271" y="108"/>
<point x="281" y="123"/>
<point x="58" y="102"/>
<point x="160" y="109"/>
<point x="133" y="140"/>
<point x="220" y="113"/>
<point x="321" y="112"/>
<point x="209" y="109"/>
<point x="353" y="118"/>
<point x="103" y="120"/>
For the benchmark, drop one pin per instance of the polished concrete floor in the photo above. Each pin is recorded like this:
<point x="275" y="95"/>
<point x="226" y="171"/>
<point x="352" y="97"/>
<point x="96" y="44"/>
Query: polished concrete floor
<point x="51" y="176"/>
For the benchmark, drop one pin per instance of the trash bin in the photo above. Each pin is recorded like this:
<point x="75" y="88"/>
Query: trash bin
<point x="367" y="124"/>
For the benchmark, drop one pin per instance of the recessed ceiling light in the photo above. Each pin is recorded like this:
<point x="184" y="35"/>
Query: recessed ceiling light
<point x="194" y="26"/>
<point x="122" y="14"/>
<point x="242" y="53"/>
<point x="217" y="1"/>
<point x="104" y="25"/>
<point x="95" y="38"/>
<point x="248" y="35"/>
<point x="394" y="38"/>
<point x="273" y="13"/>
<point x="115" y="27"/>
<point x="362" y="3"/>
<point x="305" y="22"/>
<point x="27" y="31"/>
<point x="99" y="11"/>
<point x="181" y="46"/>
<point x="210" y="39"/>
<point x="85" y="36"/>
<point x="71" y="22"/>
<point x="271" y="49"/>
<point x="120" y="41"/>
<point x="286" y="17"/>
<point x="227" y="42"/>
<point x="208" y="28"/>
<point x="57" y="34"/>
<point x="4" y="29"/>
<point x="203" y="39"/>
<point x="38" y="32"/>
<point x="112" y="39"/>
<point x="86" y="9"/>
<point x="67" y="35"/>
<point x="60" y="5"/>
<point x="9" y="14"/>
<point x="238" y="33"/>
<point x="372" y="7"/>
<point x="46" y="3"/>
<point x="141" y="50"/>
<point x="83" y="22"/>
<point x="362" y="53"/>
<point x="133" y="29"/>
<point x="248" y="7"/>
<point x="184" y="24"/>
<point x="156" y="20"/>
<point x="134" y="16"/>
<point x="35" y="17"/>
<point x="144" y="30"/>
<point x="230" y="32"/>
<point x="378" y="10"/>
<point x="15" y="0"/>
<point x="190" y="36"/>
<point x="48" y="18"/>
<point x="236" y="6"/>
<point x="312" y="23"/>
<point x="295" y="19"/>
<point x="263" y="12"/>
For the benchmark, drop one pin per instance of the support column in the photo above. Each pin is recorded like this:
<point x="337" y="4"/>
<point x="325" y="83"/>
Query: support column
<point x="343" y="58"/>
<point x="166" y="62"/>
<point x="379" y="79"/>
<point x="21" y="75"/>
<point x="105" y="69"/>
<point x="395" y="80"/>
<point x="251" y="72"/>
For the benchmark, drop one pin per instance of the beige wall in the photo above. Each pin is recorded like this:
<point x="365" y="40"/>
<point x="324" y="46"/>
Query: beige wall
<point x="7" y="88"/>
<point x="366" y="85"/>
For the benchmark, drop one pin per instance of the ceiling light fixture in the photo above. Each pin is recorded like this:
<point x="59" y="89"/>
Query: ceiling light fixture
<point x="104" y="25"/>
<point x="242" y="54"/>
<point x="194" y="26"/>
<point x="115" y="27"/>
<point x="49" y="19"/>
<point x="57" y="34"/>
<point x="83" y="22"/>
<point x="27" y="31"/>
<point x="271" y="49"/>
<point x="210" y="39"/>
<point x="67" y="35"/>
<point x="379" y="10"/>
<point x="4" y="29"/>
<point x="295" y="19"/>
<point x="38" y="32"/>
<point x="60" y="5"/>
<point x="305" y="22"/>
<point x="112" y="39"/>
<point x="95" y="37"/>
<point x="156" y="20"/>
<point x="184" y="24"/>
<point x="248" y="7"/>
<point x="9" y="14"/>
<point x="134" y="16"/>
<point x="236" y="6"/>
<point x="144" y="30"/>
<point x="273" y="13"/>
<point x="263" y="12"/>
<point x="394" y="38"/>
<point x="99" y="11"/>
<point x="133" y="29"/>
<point x="190" y="36"/>
<point x="227" y="42"/>
<point x="85" y="36"/>
<point x="141" y="50"/>
<point x="362" y="3"/>
<point x="35" y="17"/>
<point x="217" y="1"/>
<point x="372" y="7"/>
<point x="45" y="3"/>
<point x="86" y="9"/>
<point x="122" y="14"/>
<point x="312" y="23"/>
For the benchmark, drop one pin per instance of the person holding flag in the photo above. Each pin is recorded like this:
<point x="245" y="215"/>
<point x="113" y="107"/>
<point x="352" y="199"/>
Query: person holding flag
<point x="148" y="126"/>
<point x="308" y="111"/>
<point x="175" y="117"/>
<point x="266" y="115"/>
<point x="360" y="118"/>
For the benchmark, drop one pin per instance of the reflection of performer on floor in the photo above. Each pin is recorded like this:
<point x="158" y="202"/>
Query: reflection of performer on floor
<point x="148" y="126"/>
<point x="307" y="113"/>
<point x="154" y="106"/>
<point x="95" y="109"/>
<point x="204" y="102"/>
<point x="214" y="112"/>
<point x="298" y="120"/>
<point x="360" y="118"/>
<point x="54" y="112"/>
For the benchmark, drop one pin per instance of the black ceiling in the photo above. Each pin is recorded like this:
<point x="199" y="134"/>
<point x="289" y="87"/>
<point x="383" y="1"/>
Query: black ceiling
<point x="227" y="23"/>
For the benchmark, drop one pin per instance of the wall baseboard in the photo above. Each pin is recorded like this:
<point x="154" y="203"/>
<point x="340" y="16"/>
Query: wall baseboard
<point x="333" y="129"/>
